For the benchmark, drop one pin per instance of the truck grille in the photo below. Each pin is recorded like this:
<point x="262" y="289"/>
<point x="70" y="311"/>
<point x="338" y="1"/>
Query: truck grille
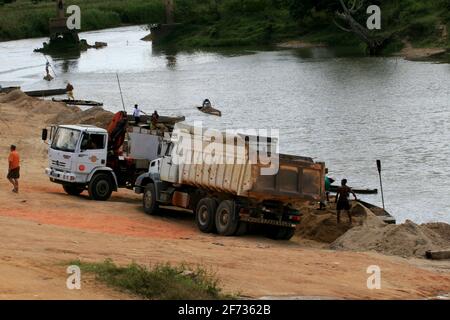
<point x="58" y="163"/>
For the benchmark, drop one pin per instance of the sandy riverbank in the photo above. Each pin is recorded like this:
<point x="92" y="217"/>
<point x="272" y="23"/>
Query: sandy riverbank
<point x="408" y="52"/>
<point x="43" y="228"/>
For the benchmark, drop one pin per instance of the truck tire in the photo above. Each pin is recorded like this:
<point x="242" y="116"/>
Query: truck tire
<point x="73" y="190"/>
<point x="205" y="214"/>
<point x="101" y="187"/>
<point x="226" y="221"/>
<point x="149" y="200"/>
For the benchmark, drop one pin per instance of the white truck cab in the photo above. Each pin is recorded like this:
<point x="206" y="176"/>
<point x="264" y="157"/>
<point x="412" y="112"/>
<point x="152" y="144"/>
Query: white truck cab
<point x="77" y="153"/>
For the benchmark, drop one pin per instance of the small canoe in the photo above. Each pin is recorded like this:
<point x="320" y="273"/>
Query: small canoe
<point x="210" y="110"/>
<point x="79" y="102"/>
<point x="379" y="212"/>
<point x="334" y="188"/>
<point x="46" y="93"/>
<point x="8" y="89"/>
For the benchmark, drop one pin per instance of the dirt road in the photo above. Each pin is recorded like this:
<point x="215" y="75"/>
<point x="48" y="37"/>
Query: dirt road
<point x="42" y="229"/>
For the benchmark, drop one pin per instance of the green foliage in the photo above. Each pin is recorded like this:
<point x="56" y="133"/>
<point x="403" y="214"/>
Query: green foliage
<point x="213" y="23"/>
<point x="26" y="19"/>
<point x="162" y="282"/>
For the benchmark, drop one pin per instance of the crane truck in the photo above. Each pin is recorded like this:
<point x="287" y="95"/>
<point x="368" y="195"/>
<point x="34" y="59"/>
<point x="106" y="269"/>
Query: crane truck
<point x="84" y="157"/>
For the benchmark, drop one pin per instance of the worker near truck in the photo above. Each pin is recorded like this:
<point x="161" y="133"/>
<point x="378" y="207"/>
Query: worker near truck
<point x="14" y="168"/>
<point x="137" y="114"/>
<point x="342" y="200"/>
<point x="154" y="120"/>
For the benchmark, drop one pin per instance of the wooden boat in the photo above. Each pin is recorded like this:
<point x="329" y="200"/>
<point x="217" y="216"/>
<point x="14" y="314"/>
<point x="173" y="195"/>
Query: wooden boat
<point x="80" y="102"/>
<point x="8" y="89"/>
<point x="334" y="188"/>
<point x="46" y="93"/>
<point x="379" y="212"/>
<point x="210" y="110"/>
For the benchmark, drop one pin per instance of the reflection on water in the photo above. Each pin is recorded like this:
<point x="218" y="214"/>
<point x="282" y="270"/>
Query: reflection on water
<point x="334" y="106"/>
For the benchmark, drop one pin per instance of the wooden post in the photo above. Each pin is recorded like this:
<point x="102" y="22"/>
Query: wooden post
<point x="60" y="13"/>
<point x="169" y="11"/>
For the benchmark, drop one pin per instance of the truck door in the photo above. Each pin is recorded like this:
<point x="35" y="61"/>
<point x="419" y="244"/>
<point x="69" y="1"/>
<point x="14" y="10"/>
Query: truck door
<point x="169" y="170"/>
<point x="92" y="152"/>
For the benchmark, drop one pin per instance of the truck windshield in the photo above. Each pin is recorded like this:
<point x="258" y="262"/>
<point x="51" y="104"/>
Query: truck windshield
<point x="66" y="139"/>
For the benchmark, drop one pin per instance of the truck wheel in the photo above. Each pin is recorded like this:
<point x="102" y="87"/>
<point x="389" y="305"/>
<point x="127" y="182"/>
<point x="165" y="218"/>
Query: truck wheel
<point x="205" y="214"/>
<point x="73" y="190"/>
<point x="226" y="222"/>
<point x="149" y="199"/>
<point x="100" y="187"/>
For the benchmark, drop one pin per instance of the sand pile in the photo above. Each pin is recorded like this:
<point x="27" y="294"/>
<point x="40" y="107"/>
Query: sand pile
<point x="321" y="225"/>
<point x="59" y="112"/>
<point x="406" y="240"/>
<point x="96" y="116"/>
<point x="21" y="101"/>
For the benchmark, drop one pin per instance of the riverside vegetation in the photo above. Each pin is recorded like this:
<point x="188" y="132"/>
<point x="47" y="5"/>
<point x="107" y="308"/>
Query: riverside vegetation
<point x="221" y="23"/>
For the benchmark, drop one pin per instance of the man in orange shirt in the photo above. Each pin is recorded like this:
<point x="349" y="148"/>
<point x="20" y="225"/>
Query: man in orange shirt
<point x="14" y="168"/>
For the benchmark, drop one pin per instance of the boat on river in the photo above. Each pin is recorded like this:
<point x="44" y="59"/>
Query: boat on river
<point x="79" y="102"/>
<point x="46" y="93"/>
<point x="334" y="188"/>
<point x="379" y="212"/>
<point x="210" y="110"/>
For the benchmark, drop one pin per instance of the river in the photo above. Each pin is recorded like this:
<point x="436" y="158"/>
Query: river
<point x="345" y="110"/>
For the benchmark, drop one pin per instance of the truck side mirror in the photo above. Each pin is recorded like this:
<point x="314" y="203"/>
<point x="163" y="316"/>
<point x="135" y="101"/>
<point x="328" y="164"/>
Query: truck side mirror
<point x="44" y="134"/>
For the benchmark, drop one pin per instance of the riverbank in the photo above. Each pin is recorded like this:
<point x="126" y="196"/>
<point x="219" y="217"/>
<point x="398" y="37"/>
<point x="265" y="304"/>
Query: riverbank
<point x="44" y="229"/>
<point x="252" y="23"/>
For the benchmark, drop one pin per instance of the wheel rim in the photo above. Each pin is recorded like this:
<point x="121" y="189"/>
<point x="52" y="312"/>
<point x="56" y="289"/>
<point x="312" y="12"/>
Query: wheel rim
<point x="224" y="217"/>
<point x="102" y="188"/>
<point x="148" y="199"/>
<point x="203" y="215"/>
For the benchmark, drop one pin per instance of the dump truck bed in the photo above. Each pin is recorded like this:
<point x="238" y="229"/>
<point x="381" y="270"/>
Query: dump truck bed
<point x="297" y="178"/>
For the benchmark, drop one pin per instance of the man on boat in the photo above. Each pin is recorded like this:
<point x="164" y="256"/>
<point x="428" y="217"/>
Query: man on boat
<point x="14" y="168"/>
<point x="206" y="104"/>
<point x="137" y="114"/>
<point x="342" y="200"/>
<point x="69" y="89"/>
<point x="154" y="120"/>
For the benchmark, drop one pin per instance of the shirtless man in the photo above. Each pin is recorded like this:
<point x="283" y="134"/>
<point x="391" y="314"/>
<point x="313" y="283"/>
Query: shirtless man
<point x="342" y="200"/>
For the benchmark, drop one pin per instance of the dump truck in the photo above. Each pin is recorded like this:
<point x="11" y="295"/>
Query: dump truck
<point x="232" y="190"/>
<point x="85" y="157"/>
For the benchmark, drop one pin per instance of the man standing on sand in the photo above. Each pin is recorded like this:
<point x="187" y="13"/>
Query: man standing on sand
<point x="69" y="90"/>
<point x="342" y="200"/>
<point x="14" y="168"/>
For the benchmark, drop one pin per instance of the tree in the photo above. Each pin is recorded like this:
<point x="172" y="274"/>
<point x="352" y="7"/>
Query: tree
<point x="346" y="15"/>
